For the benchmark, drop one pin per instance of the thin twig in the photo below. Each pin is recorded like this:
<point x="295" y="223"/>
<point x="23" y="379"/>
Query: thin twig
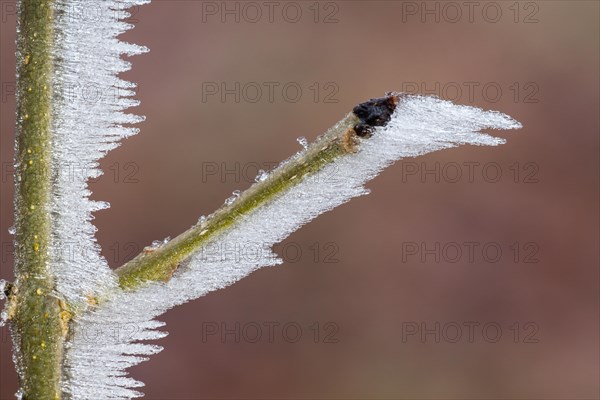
<point x="159" y="264"/>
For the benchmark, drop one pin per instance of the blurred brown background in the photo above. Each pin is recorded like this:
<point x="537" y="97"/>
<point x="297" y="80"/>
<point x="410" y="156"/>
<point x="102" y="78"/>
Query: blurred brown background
<point x="350" y="268"/>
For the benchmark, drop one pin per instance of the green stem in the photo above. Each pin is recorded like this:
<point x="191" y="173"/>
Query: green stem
<point x="35" y="312"/>
<point x="159" y="264"/>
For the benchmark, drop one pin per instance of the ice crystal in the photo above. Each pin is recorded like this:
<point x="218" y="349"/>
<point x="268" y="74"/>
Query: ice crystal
<point x="234" y="196"/>
<point x="261" y="176"/>
<point x="4" y="312"/>
<point x="157" y="243"/>
<point x="303" y="142"/>
<point x="3" y="285"/>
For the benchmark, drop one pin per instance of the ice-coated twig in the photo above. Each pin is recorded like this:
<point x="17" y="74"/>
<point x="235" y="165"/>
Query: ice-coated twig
<point x="420" y="125"/>
<point x="70" y="112"/>
<point x="238" y="238"/>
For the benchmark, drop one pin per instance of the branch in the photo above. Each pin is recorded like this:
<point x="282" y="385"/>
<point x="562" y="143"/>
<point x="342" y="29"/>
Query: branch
<point x="159" y="264"/>
<point x="34" y="310"/>
<point x="326" y="174"/>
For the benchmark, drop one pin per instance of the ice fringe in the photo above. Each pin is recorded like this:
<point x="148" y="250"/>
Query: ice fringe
<point x="90" y="101"/>
<point x="98" y="357"/>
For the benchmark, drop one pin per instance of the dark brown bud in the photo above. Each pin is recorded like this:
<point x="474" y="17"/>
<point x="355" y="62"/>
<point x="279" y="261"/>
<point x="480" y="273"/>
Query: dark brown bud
<point x="375" y="112"/>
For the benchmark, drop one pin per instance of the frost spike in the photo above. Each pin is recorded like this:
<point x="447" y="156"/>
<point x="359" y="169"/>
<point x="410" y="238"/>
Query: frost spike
<point x="89" y="104"/>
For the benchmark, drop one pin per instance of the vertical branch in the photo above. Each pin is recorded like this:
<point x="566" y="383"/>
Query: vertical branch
<point x="36" y="312"/>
